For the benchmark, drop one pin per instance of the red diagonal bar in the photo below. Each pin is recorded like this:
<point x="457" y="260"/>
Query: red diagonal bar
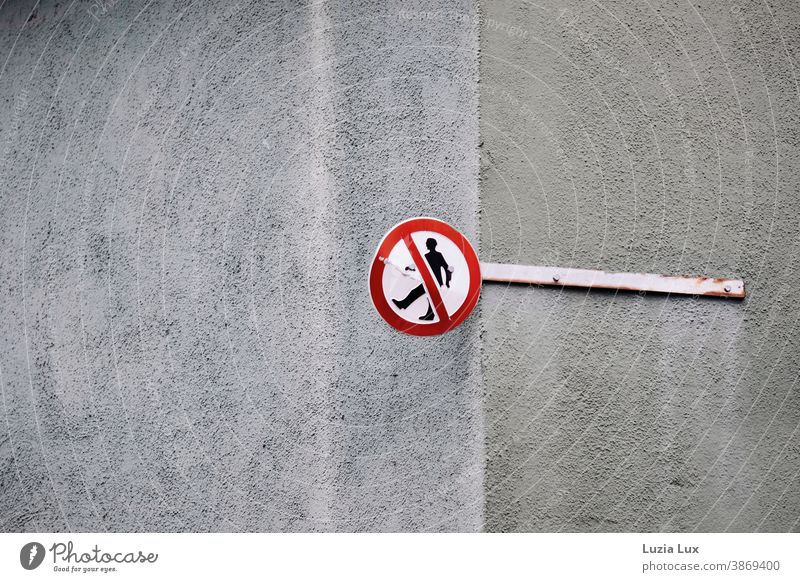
<point x="430" y="283"/>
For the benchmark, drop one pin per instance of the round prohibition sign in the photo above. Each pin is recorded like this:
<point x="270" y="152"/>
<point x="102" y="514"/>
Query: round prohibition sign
<point x="425" y="278"/>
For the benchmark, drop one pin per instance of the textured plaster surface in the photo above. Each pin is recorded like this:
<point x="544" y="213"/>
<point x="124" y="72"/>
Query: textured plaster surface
<point x="655" y="137"/>
<point x="191" y="195"/>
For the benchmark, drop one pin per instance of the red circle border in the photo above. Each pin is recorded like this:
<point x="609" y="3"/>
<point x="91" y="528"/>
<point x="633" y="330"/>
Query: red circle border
<point x="395" y="235"/>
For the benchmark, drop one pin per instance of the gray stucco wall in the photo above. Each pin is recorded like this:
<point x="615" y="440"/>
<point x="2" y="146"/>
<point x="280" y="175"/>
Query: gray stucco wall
<point x="191" y="196"/>
<point x="642" y="137"/>
<point x="192" y="191"/>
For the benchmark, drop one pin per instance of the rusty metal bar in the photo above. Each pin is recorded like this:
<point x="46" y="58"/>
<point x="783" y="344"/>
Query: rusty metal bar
<point x="682" y="284"/>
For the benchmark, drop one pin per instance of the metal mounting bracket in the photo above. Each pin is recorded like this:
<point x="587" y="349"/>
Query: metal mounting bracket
<point x="682" y="284"/>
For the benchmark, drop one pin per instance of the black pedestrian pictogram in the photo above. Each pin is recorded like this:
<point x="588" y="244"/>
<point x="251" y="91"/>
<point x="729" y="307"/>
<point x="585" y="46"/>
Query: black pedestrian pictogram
<point x="438" y="264"/>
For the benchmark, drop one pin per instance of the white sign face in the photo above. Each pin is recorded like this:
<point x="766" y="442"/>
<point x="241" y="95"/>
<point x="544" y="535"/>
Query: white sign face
<point x="403" y="285"/>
